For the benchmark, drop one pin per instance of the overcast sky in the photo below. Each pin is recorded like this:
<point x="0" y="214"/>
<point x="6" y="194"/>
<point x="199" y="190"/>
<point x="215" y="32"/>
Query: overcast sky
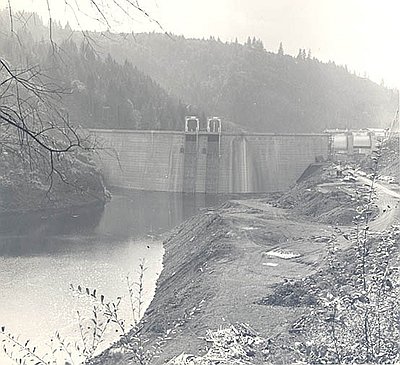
<point x="364" y="34"/>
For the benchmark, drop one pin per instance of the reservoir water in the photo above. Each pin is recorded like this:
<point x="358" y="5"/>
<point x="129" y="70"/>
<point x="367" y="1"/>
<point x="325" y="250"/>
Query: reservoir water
<point x="97" y="247"/>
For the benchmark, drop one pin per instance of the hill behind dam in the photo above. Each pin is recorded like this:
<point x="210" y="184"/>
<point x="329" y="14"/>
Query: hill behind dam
<point x="255" y="88"/>
<point x="152" y="80"/>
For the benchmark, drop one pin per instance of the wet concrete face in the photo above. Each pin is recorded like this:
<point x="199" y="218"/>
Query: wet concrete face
<point x="209" y="163"/>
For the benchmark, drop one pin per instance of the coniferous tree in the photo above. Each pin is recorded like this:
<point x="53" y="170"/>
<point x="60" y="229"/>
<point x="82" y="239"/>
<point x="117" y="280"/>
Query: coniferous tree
<point x="248" y="43"/>
<point x="280" y="50"/>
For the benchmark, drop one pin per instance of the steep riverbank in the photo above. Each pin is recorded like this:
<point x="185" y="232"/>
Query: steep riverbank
<point x="249" y="261"/>
<point x="219" y="265"/>
<point x="27" y="187"/>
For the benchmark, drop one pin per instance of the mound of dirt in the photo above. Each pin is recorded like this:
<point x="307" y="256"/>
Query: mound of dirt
<point x="387" y="157"/>
<point x="297" y="293"/>
<point x="323" y="196"/>
<point x="389" y="164"/>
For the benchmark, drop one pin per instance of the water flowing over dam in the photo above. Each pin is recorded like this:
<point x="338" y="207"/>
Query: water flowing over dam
<point x="204" y="162"/>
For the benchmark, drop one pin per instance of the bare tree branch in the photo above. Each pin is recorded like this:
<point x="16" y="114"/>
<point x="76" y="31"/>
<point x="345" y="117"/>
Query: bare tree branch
<point x="33" y="126"/>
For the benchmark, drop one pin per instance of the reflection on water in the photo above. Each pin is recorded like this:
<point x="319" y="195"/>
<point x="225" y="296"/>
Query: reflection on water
<point x="147" y="212"/>
<point x="42" y="253"/>
<point x="47" y="233"/>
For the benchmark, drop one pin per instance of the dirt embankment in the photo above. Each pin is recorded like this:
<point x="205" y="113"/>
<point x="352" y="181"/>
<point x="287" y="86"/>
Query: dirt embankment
<point x="217" y="268"/>
<point x="252" y="261"/>
<point x="326" y="197"/>
<point x="388" y="164"/>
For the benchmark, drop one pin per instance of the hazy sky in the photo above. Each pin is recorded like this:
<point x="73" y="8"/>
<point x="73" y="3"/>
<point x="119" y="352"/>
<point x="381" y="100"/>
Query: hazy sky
<point x="364" y="34"/>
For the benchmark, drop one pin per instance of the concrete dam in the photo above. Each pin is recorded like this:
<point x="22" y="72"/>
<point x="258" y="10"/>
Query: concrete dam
<point x="205" y="162"/>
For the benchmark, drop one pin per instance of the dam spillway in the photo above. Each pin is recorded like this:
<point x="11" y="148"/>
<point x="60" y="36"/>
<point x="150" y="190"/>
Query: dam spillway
<point x="204" y="162"/>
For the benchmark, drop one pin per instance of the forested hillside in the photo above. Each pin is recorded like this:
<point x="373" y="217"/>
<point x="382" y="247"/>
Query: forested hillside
<point x="99" y="92"/>
<point x="259" y="90"/>
<point x="242" y="83"/>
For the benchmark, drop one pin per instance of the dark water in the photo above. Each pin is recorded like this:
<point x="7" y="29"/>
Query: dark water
<point x="42" y="253"/>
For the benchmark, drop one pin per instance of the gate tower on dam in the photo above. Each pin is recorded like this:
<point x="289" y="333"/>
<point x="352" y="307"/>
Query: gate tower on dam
<point x="209" y="161"/>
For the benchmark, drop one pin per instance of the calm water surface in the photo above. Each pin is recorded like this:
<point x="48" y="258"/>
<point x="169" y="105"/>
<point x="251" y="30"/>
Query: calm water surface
<point x="41" y="254"/>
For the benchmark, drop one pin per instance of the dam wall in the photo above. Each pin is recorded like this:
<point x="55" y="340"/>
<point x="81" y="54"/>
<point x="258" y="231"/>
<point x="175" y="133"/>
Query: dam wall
<point x="142" y="160"/>
<point x="268" y="162"/>
<point x="207" y="162"/>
